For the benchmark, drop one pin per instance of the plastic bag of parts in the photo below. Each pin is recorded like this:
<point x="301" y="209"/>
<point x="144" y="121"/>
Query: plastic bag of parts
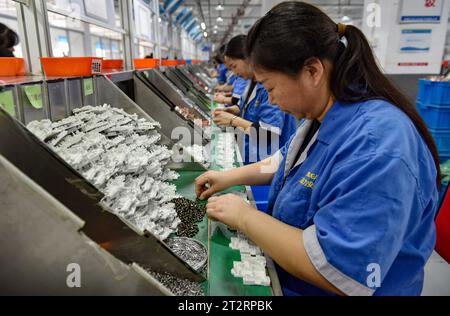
<point x="119" y="154"/>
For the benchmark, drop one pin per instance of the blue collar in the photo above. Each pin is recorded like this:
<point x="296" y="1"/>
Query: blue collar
<point x="259" y="87"/>
<point x="337" y="117"/>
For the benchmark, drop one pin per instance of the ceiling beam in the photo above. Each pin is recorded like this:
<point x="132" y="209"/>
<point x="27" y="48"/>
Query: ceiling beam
<point x="240" y="12"/>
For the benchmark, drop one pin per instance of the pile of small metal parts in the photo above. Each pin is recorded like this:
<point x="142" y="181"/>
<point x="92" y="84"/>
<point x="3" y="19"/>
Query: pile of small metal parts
<point x="178" y="286"/>
<point x="190" y="250"/>
<point x="187" y="113"/>
<point x="119" y="154"/>
<point x="190" y="213"/>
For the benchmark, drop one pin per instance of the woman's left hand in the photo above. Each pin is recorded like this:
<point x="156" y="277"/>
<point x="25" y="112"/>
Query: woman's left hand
<point x="223" y="118"/>
<point x="219" y="98"/>
<point x="229" y="209"/>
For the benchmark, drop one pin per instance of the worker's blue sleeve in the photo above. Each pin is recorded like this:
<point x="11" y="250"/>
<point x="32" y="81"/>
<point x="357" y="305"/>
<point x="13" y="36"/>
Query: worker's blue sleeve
<point x="363" y="220"/>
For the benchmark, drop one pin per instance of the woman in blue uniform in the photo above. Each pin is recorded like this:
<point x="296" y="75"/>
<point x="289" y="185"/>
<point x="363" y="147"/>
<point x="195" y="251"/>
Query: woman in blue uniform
<point x="226" y="88"/>
<point x="231" y="93"/>
<point x="261" y="121"/>
<point x="354" y="192"/>
<point x="220" y="68"/>
<point x="239" y="87"/>
<point x="222" y="73"/>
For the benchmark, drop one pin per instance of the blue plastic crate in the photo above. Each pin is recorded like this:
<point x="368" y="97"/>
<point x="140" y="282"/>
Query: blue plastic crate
<point x="436" y="116"/>
<point x="434" y="92"/>
<point x="442" y="139"/>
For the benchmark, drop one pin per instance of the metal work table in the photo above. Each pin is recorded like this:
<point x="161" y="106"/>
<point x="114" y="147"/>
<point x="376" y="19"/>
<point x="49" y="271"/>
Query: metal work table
<point x="77" y="199"/>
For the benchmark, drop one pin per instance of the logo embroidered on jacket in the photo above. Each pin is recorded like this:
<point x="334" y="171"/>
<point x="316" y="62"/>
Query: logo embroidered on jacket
<point x="309" y="180"/>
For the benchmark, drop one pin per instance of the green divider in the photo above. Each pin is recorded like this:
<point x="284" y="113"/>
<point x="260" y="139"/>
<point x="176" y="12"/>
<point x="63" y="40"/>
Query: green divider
<point x="220" y="280"/>
<point x="7" y="102"/>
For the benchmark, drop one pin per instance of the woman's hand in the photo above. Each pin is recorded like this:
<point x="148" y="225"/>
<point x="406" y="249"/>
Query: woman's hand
<point x="220" y="88"/>
<point x="235" y="110"/>
<point x="223" y="118"/>
<point x="230" y="210"/>
<point x="219" y="98"/>
<point x="210" y="183"/>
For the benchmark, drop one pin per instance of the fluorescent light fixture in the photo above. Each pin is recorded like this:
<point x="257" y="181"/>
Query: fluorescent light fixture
<point x="220" y="6"/>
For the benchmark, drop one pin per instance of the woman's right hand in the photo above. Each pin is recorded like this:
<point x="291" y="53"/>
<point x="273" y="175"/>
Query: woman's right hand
<point x="210" y="183"/>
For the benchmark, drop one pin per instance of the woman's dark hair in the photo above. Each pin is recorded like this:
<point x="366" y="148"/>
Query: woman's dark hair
<point x="218" y="57"/>
<point x="236" y="47"/>
<point x="8" y="38"/>
<point x="293" y="32"/>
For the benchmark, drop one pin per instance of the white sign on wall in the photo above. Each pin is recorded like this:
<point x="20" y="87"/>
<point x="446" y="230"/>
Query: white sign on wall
<point x="98" y="8"/>
<point x="415" y="40"/>
<point x="419" y="38"/>
<point x="143" y="20"/>
<point x="421" y="11"/>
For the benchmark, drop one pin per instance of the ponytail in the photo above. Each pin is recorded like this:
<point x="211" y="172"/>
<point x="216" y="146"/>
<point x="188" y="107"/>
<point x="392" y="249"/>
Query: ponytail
<point x="358" y="79"/>
<point x="293" y="32"/>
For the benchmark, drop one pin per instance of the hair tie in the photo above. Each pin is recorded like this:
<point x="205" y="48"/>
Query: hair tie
<point x="341" y="29"/>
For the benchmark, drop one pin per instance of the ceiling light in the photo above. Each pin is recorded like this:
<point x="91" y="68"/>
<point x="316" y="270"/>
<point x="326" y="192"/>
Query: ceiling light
<point x="216" y="27"/>
<point x="203" y="25"/>
<point x="205" y="34"/>
<point x="219" y="19"/>
<point x="219" y="6"/>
